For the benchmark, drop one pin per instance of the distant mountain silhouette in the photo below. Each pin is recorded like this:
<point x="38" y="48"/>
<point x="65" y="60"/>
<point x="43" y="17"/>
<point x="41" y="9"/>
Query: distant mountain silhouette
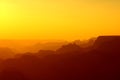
<point x="69" y="62"/>
<point x="46" y="46"/>
<point x="6" y="53"/>
<point x="85" y="43"/>
<point x="70" y="48"/>
<point x="23" y="46"/>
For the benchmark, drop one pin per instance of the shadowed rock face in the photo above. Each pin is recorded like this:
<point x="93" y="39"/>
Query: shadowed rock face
<point x="108" y="42"/>
<point x="12" y="75"/>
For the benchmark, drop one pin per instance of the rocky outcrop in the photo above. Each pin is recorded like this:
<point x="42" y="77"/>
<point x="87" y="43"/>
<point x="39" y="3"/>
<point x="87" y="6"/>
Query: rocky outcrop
<point x="107" y="42"/>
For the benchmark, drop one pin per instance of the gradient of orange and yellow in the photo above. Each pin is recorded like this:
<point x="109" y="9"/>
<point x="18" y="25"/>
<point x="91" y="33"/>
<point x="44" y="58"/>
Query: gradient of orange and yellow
<point x="58" y="19"/>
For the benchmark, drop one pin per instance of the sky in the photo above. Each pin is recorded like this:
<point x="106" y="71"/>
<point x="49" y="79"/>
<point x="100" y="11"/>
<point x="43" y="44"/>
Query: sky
<point x="58" y="19"/>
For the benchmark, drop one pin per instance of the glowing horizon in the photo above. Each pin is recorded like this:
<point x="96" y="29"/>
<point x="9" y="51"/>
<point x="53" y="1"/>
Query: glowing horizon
<point x="64" y="19"/>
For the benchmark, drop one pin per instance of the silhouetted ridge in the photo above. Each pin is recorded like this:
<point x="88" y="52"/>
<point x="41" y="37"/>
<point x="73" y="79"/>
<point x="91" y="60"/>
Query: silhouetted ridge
<point x="70" y="62"/>
<point x="70" y="48"/>
<point x="111" y="42"/>
<point x="107" y="46"/>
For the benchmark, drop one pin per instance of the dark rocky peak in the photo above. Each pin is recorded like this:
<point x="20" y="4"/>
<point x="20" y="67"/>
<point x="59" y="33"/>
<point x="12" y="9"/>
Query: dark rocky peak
<point x="108" y="43"/>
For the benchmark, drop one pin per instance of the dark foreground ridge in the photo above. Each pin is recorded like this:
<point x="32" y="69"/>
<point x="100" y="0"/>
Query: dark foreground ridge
<point x="70" y="62"/>
<point x="108" y="41"/>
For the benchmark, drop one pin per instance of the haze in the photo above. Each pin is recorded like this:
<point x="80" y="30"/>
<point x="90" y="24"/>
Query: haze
<point x="58" y="19"/>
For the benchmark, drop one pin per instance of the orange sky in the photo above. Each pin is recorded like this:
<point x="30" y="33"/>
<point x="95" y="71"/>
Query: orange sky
<point x="58" y="19"/>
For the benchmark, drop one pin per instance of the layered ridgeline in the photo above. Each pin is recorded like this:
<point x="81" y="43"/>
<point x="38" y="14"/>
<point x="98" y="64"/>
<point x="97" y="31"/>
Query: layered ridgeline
<point x="100" y="61"/>
<point x="9" y="48"/>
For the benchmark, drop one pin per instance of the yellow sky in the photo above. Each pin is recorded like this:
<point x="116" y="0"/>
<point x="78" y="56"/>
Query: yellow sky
<point x="58" y="19"/>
